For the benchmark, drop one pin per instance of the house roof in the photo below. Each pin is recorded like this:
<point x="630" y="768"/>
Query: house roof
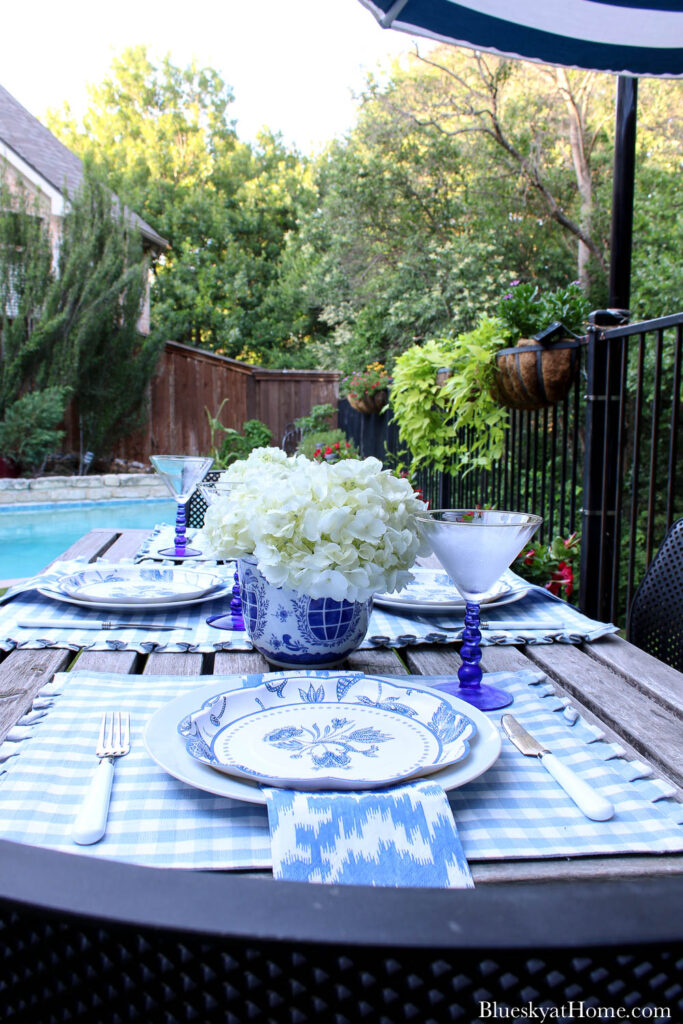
<point x="35" y="145"/>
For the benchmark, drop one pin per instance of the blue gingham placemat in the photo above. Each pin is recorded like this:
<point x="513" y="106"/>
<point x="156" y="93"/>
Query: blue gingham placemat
<point x="192" y="632"/>
<point x="536" y="618"/>
<point x="515" y="810"/>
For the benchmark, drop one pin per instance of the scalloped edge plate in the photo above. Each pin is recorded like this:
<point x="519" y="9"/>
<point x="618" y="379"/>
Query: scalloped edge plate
<point x="167" y="747"/>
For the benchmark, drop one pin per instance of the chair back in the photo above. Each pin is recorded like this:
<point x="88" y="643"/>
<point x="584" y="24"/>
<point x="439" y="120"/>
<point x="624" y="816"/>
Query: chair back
<point x="655" y="618"/>
<point x="196" y="506"/>
<point x="291" y="438"/>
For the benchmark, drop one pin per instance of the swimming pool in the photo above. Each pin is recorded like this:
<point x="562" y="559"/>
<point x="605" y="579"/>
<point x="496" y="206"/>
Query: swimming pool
<point x="32" y="535"/>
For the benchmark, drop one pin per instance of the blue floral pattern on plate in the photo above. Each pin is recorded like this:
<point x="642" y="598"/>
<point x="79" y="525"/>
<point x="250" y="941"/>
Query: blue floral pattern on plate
<point x="130" y="584"/>
<point x="292" y="731"/>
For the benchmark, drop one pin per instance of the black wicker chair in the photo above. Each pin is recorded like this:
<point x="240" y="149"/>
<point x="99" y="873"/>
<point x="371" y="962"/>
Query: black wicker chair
<point x="655" y="619"/>
<point x="196" y="506"/>
<point x="100" y="942"/>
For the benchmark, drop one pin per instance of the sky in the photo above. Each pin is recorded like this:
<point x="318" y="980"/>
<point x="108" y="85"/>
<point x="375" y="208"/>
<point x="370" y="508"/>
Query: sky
<point x="294" y="65"/>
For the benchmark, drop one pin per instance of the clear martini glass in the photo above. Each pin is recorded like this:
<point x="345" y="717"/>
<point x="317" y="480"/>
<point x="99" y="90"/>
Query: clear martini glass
<point x="181" y="474"/>
<point x="475" y="547"/>
<point x="234" y="620"/>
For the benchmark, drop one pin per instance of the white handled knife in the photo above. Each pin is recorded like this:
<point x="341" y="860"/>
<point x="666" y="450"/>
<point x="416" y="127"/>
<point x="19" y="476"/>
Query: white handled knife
<point x="592" y="804"/>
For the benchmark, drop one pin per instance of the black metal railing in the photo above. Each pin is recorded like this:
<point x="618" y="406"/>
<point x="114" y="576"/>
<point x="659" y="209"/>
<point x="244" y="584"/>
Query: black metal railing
<point x="607" y="462"/>
<point x="540" y="471"/>
<point x="633" y="479"/>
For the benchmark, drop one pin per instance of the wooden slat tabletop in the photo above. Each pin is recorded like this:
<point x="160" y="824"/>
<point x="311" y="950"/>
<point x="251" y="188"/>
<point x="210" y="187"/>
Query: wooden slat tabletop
<point x="635" y="699"/>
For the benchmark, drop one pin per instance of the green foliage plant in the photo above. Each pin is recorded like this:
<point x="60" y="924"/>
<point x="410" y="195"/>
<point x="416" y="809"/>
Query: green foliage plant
<point x="418" y="407"/>
<point x="237" y="445"/>
<point x="318" y="419"/>
<point x="457" y="425"/>
<point x="29" y="431"/>
<point x="528" y="309"/>
<point x="214" y="426"/>
<point x="315" y="446"/>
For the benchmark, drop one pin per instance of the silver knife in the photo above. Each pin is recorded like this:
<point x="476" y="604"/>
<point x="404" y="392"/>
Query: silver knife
<point x="490" y="624"/>
<point x="592" y="804"/>
<point x="75" y="624"/>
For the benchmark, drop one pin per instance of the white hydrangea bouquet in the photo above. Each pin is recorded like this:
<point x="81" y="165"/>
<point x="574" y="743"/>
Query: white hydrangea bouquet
<point x="345" y="530"/>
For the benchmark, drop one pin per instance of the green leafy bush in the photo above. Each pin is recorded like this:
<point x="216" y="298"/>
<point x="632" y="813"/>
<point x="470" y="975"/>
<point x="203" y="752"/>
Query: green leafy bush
<point x="236" y="445"/>
<point x="29" y="431"/>
<point x="319" y="419"/>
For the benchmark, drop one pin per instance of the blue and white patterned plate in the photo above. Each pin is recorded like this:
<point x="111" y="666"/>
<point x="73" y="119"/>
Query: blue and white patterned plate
<point x="341" y="731"/>
<point x="432" y="590"/>
<point x="167" y="747"/>
<point x="134" y="585"/>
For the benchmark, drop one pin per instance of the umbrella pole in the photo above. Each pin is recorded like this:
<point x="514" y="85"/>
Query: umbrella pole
<point x="622" y="192"/>
<point x="603" y="371"/>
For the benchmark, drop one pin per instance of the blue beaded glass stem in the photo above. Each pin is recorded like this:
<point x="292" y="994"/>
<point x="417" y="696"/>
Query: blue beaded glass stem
<point x="470" y="672"/>
<point x="234" y="620"/>
<point x="180" y="530"/>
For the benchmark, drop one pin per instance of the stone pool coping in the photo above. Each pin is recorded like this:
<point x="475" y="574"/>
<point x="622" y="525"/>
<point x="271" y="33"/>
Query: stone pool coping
<point x="23" y="491"/>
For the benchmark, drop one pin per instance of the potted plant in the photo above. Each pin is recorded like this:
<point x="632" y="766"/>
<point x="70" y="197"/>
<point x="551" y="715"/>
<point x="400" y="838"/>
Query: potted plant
<point x="539" y="371"/>
<point x="314" y="541"/>
<point x="433" y="408"/>
<point x="554" y="566"/>
<point x="367" y="390"/>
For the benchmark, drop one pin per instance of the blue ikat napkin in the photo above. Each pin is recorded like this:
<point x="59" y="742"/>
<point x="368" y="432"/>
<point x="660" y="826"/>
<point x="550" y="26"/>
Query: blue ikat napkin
<point x="403" y="836"/>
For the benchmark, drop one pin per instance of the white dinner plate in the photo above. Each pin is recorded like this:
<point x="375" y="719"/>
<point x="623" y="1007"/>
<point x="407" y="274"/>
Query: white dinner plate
<point x="138" y="584"/>
<point x="153" y="606"/>
<point x="433" y="591"/>
<point x="341" y="730"/>
<point x="167" y="747"/>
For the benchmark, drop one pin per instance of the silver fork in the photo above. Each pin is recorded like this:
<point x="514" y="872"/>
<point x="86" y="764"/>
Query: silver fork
<point x="114" y="741"/>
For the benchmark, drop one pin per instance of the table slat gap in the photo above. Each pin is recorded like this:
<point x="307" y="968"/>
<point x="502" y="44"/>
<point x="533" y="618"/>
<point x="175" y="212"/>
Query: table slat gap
<point x="652" y="677"/>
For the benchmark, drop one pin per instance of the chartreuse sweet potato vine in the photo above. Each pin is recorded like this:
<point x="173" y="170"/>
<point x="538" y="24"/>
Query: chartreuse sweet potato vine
<point x="458" y="425"/>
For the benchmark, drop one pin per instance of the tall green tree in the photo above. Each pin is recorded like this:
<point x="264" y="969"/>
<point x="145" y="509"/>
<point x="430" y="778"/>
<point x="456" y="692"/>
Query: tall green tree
<point x="163" y="136"/>
<point x="29" y="414"/>
<point x="90" y="317"/>
<point x="72" y="331"/>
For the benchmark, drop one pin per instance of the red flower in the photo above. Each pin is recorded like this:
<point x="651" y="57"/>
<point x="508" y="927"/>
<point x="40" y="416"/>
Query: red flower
<point x="530" y="557"/>
<point x="562" y="577"/>
<point x="328" y="450"/>
<point x="336" y="444"/>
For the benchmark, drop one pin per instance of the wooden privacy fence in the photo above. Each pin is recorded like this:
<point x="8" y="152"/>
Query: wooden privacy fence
<point x="190" y="380"/>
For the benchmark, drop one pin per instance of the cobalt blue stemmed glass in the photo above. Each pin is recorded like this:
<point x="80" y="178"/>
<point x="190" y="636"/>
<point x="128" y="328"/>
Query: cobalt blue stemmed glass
<point x="475" y="547"/>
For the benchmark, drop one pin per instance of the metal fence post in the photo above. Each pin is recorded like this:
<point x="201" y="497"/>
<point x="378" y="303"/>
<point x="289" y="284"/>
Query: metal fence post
<point x="598" y="530"/>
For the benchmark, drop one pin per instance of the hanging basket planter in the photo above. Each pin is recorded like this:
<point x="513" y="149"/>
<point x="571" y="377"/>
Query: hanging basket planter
<point x="538" y="372"/>
<point x="372" y="402"/>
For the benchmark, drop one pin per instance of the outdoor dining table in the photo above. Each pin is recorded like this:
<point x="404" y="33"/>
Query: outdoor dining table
<point x="155" y="934"/>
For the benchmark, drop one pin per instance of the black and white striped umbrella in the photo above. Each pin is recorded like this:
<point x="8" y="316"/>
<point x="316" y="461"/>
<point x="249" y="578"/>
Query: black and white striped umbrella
<point x="626" y="37"/>
<point x="630" y="38"/>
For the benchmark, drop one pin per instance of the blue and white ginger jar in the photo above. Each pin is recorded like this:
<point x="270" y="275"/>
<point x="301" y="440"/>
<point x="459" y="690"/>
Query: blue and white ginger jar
<point x="291" y="629"/>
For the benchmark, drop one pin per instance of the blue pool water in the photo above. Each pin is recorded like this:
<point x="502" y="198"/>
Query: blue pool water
<point x="32" y="536"/>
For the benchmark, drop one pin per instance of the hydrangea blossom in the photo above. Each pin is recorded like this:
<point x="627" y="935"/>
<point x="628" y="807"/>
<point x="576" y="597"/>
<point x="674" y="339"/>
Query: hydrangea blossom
<point x="346" y="530"/>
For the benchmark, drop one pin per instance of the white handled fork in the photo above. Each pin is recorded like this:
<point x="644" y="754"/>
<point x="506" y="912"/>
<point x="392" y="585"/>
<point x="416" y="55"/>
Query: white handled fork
<point x="114" y="741"/>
